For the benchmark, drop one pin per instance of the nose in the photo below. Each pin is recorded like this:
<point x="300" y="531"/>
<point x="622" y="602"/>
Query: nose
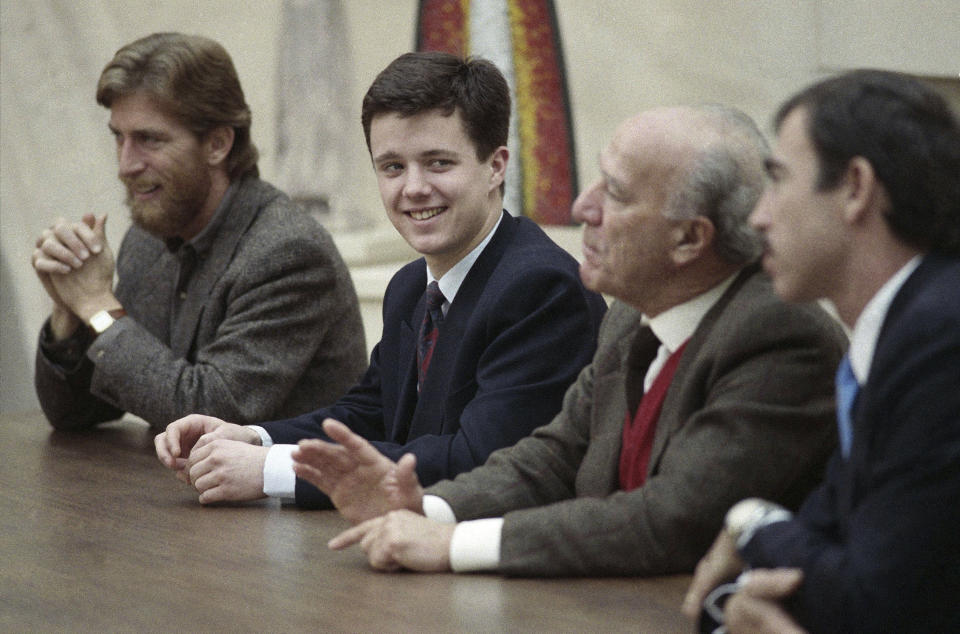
<point x="760" y="216"/>
<point x="416" y="184"/>
<point x="587" y="207"/>
<point x="129" y="160"/>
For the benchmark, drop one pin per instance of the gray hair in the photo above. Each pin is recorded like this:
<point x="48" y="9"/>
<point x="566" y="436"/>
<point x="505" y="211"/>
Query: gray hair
<point x="724" y="182"/>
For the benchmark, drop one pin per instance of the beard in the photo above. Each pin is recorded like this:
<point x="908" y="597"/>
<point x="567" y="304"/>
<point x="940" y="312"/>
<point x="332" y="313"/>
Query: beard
<point x="181" y="199"/>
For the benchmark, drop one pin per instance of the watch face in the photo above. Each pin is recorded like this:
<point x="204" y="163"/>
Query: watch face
<point x="740" y="515"/>
<point x="101" y="321"/>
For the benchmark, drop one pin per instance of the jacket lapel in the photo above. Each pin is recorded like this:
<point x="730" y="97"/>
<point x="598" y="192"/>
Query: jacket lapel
<point x="408" y="403"/>
<point x="428" y="416"/>
<point x="865" y="414"/>
<point x="670" y="415"/>
<point x="238" y="213"/>
<point x="617" y="382"/>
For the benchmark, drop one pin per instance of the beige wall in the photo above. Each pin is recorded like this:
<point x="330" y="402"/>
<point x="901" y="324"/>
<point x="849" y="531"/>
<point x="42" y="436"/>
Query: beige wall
<point x="622" y="56"/>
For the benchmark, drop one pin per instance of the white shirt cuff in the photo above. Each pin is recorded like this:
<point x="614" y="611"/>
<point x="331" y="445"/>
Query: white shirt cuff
<point x="279" y="480"/>
<point x="437" y="509"/>
<point x="265" y="438"/>
<point x="475" y="545"/>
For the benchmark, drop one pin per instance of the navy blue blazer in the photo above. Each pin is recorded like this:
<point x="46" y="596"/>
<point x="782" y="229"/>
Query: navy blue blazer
<point x="879" y="542"/>
<point x="518" y="332"/>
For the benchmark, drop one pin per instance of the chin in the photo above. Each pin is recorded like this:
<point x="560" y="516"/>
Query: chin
<point x="786" y="292"/>
<point x="591" y="280"/>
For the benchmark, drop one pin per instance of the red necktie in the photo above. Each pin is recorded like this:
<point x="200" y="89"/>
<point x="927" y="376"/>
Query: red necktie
<point x="638" y="433"/>
<point x="429" y="330"/>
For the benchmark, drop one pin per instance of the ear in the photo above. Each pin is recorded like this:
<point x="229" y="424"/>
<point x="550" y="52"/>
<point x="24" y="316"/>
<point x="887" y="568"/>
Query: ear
<point x="498" y="164"/>
<point x="218" y="144"/>
<point x="862" y="192"/>
<point x="690" y="239"/>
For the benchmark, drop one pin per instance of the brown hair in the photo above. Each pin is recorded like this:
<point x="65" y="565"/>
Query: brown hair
<point x="910" y="136"/>
<point x="418" y="82"/>
<point x="193" y="79"/>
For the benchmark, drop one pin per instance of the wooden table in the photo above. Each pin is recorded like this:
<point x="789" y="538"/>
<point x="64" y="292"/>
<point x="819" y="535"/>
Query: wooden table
<point x="96" y="535"/>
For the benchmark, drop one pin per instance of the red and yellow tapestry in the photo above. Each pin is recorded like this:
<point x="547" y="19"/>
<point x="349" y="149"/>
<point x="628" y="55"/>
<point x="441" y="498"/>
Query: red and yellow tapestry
<point x="546" y="149"/>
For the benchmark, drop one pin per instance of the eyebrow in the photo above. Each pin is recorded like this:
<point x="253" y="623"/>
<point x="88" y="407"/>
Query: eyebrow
<point x="390" y="155"/>
<point x="612" y="183"/>
<point x="386" y="156"/>
<point x="157" y="132"/>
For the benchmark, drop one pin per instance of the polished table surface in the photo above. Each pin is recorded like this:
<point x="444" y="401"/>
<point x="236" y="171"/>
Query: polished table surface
<point x="96" y="535"/>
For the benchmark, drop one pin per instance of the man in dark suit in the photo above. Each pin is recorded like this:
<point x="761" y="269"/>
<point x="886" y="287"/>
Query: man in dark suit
<point x="863" y="209"/>
<point x="229" y="300"/>
<point x="635" y="473"/>
<point x="514" y="323"/>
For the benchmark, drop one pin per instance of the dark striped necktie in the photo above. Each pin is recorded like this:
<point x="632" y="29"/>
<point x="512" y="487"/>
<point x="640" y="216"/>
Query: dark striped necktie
<point x="429" y="331"/>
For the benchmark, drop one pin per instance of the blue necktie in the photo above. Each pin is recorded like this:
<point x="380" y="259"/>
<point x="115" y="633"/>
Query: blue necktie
<point x="847" y="388"/>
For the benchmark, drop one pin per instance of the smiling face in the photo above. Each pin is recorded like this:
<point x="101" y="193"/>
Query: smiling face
<point x="627" y="240"/>
<point x="163" y="166"/>
<point x="439" y="196"/>
<point x="803" y="226"/>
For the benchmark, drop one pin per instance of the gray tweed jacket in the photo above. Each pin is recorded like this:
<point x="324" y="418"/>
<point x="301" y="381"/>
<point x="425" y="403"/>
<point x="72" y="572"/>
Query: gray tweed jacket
<point x="256" y="318"/>
<point x="749" y="413"/>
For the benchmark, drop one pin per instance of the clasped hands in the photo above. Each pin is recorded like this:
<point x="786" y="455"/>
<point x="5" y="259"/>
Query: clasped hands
<point x="75" y="264"/>
<point x="222" y="461"/>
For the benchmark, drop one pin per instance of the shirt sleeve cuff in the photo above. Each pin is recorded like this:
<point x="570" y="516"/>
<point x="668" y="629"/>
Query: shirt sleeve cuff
<point x="67" y="353"/>
<point x="475" y="545"/>
<point x="265" y="438"/>
<point x="279" y="480"/>
<point x="437" y="509"/>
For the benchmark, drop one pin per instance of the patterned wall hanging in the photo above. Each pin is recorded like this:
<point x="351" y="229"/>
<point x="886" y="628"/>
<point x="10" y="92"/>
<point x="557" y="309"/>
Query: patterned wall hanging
<point x="522" y="38"/>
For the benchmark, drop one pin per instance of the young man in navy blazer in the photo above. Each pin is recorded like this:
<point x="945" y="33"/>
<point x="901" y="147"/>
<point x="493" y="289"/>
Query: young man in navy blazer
<point x="862" y="208"/>
<point x="517" y="324"/>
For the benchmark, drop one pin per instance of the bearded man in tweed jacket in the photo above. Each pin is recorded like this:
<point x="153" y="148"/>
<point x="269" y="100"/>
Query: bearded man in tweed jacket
<point x="230" y="299"/>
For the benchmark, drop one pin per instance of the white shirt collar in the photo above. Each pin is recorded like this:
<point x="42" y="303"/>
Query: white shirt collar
<point x="675" y="325"/>
<point x="451" y="281"/>
<point x="866" y="331"/>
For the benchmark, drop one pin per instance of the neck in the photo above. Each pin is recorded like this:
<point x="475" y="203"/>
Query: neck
<point x="219" y="182"/>
<point x="689" y="282"/>
<point x="440" y="263"/>
<point x="866" y="277"/>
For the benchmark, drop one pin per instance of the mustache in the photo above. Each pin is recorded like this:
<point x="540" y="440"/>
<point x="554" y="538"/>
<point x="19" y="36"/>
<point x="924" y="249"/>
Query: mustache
<point x="138" y="183"/>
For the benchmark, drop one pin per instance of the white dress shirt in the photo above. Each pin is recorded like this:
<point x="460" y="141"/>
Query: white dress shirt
<point x="279" y="480"/>
<point x="475" y="544"/>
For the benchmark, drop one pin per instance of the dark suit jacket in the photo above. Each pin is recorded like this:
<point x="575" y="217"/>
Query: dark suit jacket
<point x="255" y="318"/>
<point x="879" y="542"/>
<point x="749" y="412"/>
<point x="519" y="330"/>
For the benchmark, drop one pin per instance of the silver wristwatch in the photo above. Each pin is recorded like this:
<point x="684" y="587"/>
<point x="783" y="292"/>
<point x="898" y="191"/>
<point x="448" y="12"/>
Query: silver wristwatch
<point x="747" y="516"/>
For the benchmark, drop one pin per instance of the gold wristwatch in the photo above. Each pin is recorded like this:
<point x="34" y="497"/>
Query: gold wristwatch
<point x="103" y="319"/>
